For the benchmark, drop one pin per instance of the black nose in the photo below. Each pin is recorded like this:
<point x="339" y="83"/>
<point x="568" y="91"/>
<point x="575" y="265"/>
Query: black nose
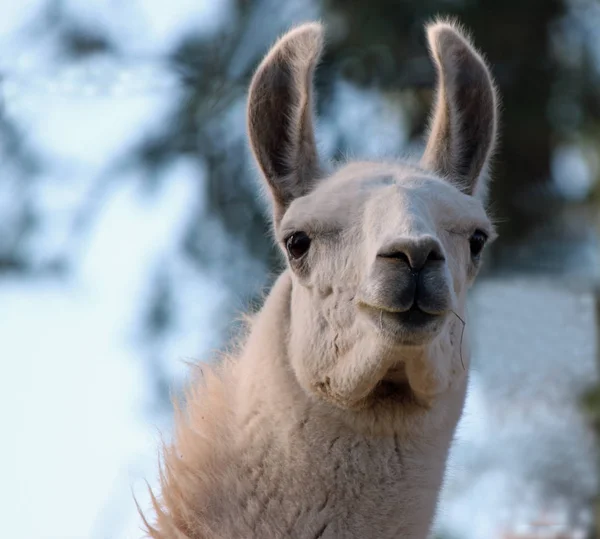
<point x="409" y="273"/>
<point x="416" y="252"/>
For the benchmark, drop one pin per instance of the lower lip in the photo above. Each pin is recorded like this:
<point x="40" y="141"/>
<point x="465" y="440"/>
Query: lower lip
<point x="413" y="317"/>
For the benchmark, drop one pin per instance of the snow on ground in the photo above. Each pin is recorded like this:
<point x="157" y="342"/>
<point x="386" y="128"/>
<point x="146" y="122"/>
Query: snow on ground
<point x="524" y="450"/>
<point x="74" y="389"/>
<point x="71" y="396"/>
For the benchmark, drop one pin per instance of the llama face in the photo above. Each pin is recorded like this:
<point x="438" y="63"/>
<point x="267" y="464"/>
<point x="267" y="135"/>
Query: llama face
<point x="393" y="245"/>
<point x="381" y="254"/>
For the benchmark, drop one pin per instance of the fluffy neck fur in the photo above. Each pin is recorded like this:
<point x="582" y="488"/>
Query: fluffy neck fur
<point x="255" y="455"/>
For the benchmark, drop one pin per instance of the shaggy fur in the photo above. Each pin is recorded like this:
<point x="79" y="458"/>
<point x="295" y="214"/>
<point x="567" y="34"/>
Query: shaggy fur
<point x="335" y="418"/>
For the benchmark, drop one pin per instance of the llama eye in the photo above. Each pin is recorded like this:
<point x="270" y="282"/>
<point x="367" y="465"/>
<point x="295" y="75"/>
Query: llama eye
<point x="297" y="245"/>
<point x="477" y="242"/>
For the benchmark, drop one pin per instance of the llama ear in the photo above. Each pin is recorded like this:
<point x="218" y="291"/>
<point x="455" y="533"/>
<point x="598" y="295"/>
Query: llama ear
<point x="463" y="127"/>
<point x="280" y="116"/>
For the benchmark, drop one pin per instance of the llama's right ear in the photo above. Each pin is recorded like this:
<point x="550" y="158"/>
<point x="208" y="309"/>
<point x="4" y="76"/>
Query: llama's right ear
<point x="280" y="116"/>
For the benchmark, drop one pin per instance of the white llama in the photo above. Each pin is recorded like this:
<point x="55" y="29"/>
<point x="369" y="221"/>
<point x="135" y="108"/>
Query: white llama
<point x="335" y="418"/>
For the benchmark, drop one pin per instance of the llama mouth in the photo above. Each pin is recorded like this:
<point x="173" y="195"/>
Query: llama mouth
<point x="413" y="326"/>
<point x="414" y="317"/>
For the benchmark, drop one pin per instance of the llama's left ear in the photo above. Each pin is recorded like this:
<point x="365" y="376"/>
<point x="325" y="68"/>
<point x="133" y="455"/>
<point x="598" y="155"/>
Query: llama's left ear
<point x="463" y="127"/>
<point x="280" y="116"/>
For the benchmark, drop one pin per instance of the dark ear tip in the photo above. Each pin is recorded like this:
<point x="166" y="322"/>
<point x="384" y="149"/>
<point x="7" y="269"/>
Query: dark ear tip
<point x="456" y="57"/>
<point x="302" y="44"/>
<point x="447" y="38"/>
<point x="297" y="51"/>
<point x="309" y="32"/>
<point x="446" y="30"/>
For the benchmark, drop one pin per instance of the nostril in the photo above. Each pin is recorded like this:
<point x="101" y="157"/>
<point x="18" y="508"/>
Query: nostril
<point x="398" y="255"/>
<point x="414" y="252"/>
<point x="435" y="255"/>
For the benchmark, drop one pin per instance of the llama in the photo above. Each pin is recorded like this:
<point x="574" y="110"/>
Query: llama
<point x="335" y="418"/>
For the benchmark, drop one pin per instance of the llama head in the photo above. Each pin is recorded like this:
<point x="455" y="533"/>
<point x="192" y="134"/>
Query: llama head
<point x="380" y="254"/>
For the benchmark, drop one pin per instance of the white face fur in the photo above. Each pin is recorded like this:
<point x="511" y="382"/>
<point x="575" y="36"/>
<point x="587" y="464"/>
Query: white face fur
<point x="381" y="254"/>
<point x="398" y="246"/>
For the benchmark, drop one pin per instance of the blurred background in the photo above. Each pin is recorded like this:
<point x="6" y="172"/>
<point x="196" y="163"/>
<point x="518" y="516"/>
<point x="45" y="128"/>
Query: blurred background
<point x="131" y="235"/>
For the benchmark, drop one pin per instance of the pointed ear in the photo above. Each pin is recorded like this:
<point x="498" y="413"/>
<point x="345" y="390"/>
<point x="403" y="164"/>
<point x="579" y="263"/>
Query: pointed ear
<point x="280" y="116"/>
<point x="463" y="127"/>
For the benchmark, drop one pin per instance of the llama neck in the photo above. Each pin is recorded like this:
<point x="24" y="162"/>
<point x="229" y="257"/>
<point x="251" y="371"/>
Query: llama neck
<point x="259" y="456"/>
<point x="264" y="372"/>
<point x="385" y="479"/>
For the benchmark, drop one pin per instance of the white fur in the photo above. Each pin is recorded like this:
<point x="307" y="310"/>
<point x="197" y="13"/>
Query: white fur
<point x="334" y="420"/>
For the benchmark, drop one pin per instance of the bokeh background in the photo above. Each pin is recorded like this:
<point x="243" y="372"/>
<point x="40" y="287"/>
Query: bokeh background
<point x="131" y="234"/>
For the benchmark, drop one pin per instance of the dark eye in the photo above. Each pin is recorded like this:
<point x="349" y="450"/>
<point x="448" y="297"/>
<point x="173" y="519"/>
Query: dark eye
<point x="297" y="245"/>
<point x="477" y="242"/>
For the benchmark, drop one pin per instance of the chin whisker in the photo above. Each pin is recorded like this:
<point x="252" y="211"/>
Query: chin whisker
<point x="462" y="333"/>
